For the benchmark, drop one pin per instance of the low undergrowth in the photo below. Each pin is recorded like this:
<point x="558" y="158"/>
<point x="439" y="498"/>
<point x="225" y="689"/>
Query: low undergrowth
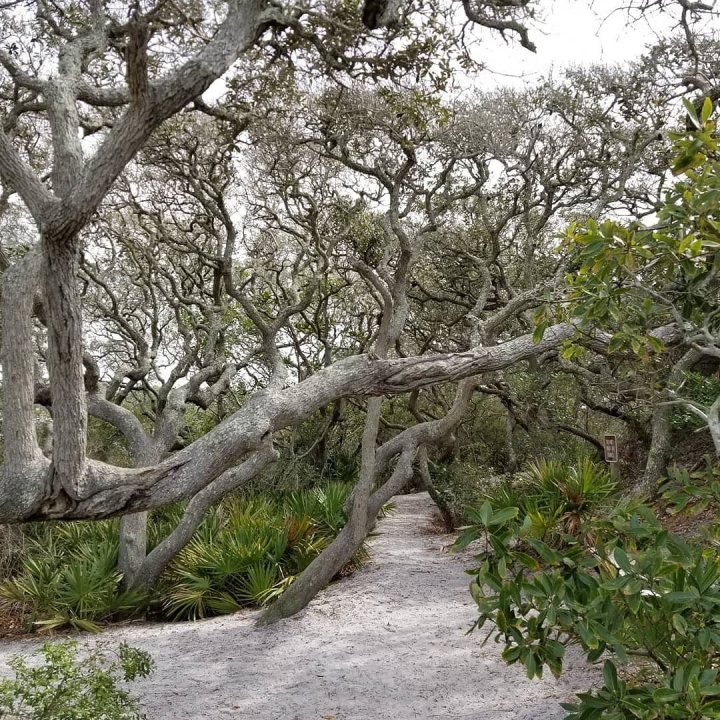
<point x="63" y="685"/>
<point x="247" y="550"/>
<point x="459" y="485"/>
<point x="563" y="561"/>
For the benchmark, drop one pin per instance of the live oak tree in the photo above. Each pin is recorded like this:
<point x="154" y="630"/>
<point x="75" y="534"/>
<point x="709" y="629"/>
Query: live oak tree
<point x="614" y="384"/>
<point x="164" y="288"/>
<point x="155" y="309"/>
<point x="587" y="145"/>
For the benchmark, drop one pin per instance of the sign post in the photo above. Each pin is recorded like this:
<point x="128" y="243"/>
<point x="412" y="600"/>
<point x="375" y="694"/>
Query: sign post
<point x="611" y="449"/>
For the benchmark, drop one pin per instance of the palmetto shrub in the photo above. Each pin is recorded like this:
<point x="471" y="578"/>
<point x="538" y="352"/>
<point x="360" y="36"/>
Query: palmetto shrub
<point x="69" y="576"/>
<point x="247" y="550"/>
<point x="554" y="497"/>
<point x="250" y="549"/>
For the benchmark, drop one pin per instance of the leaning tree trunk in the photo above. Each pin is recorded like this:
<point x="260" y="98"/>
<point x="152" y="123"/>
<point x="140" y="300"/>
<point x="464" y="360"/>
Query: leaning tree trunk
<point x="426" y="482"/>
<point x="319" y="573"/>
<point x="661" y="438"/>
<point x="163" y="553"/>
<point x="365" y="507"/>
<point x="339" y="553"/>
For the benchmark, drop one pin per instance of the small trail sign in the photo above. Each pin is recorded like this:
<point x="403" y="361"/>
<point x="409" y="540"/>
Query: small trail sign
<point x="611" y="448"/>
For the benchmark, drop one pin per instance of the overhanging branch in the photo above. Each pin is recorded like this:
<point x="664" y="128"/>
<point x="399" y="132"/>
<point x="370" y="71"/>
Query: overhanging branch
<point x="108" y="490"/>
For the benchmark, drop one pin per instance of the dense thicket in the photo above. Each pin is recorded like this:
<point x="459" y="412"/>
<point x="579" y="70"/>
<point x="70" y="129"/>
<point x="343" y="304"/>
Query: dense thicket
<point x="330" y="262"/>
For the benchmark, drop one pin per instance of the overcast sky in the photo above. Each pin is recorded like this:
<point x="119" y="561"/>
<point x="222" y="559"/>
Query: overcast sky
<point x="576" y="32"/>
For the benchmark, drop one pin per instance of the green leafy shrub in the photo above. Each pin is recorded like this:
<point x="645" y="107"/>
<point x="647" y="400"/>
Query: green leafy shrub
<point x="619" y="586"/>
<point x="692" y="491"/>
<point x="66" y="687"/>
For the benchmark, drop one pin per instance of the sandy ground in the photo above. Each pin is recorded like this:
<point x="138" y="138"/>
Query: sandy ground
<point x="388" y="642"/>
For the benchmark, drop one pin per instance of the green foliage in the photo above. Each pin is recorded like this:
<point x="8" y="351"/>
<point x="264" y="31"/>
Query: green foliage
<point x="617" y="585"/>
<point x="246" y="552"/>
<point x="250" y="550"/>
<point x="460" y="485"/>
<point x="702" y="389"/>
<point x="69" y="576"/>
<point x="692" y="491"/>
<point x="631" y="278"/>
<point x="66" y="687"/>
<point x="689" y="693"/>
<point x="107" y="443"/>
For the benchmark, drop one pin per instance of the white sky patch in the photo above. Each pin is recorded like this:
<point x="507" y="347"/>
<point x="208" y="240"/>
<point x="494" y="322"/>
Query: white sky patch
<point x="572" y="33"/>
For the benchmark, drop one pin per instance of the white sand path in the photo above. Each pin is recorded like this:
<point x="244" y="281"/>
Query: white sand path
<point x="388" y="642"/>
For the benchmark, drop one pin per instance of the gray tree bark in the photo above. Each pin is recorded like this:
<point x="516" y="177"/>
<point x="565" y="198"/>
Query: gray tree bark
<point x="661" y="432"/>
<point x="78" y="187"/>
<point x="106" y="490"/>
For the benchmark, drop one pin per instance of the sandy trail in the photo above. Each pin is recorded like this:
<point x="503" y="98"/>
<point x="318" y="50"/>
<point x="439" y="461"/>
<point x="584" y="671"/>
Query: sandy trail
<point x="388" y="642"/>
